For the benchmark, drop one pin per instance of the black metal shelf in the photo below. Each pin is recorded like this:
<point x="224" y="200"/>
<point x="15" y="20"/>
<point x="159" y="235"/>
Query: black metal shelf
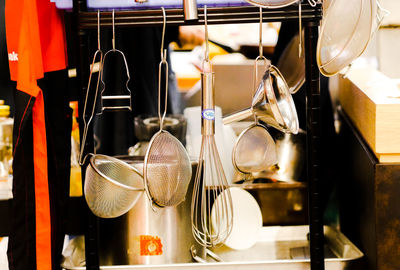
<point x="219" y="15"/>
<point x="85" y="20"/>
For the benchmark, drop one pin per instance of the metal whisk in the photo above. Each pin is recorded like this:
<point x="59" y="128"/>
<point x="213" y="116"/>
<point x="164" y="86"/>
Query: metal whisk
<point x="210" y="187"/>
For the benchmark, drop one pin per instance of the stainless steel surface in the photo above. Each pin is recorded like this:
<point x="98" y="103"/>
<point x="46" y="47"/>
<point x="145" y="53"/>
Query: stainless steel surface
<point x="167" y="170"/>
<point x="272" y="103"/>
<point x="190" y="10"/>
<point x="112" y="187"/>
<point x="291" y="153"/>
<point x="274" y="251"/>
<point x="208" y="103"/>
<point x="210" y="173"/>
<point x="144" y="236"/>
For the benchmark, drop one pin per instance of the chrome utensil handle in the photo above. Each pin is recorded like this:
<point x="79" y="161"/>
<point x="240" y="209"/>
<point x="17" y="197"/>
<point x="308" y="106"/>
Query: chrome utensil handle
<point x="237" y="116"/>
<point x="209" y="253"/>
<point x="190" y="10"/>
<point x="208" y="103"/>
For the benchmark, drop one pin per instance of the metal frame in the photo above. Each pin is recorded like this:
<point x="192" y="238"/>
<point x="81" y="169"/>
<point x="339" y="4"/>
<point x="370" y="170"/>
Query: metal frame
<point x="311" y="16"/>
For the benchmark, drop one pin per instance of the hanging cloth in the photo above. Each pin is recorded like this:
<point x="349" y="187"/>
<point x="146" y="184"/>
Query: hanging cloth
<point x="35" y="45"/>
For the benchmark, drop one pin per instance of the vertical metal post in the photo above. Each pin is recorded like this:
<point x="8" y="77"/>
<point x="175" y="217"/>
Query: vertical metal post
<point x="314" y="146"/>
<point x="82" y="71"/>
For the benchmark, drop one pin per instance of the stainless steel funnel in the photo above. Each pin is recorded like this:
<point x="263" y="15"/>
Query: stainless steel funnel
<point x="272" y="103"/>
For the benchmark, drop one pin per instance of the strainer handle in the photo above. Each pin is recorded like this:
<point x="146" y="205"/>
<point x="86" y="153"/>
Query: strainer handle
<point x="238" y="116"/>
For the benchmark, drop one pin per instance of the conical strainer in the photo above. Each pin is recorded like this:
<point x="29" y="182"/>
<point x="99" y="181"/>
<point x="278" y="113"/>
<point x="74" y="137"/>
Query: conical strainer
<point x="272" y="104"/>
<point x="167" y="169"/>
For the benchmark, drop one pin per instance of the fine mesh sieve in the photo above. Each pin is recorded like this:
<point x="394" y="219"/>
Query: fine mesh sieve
<point x="167" y="169"/>
<point x="112" y="186"/>
<point x="254" y="150"/>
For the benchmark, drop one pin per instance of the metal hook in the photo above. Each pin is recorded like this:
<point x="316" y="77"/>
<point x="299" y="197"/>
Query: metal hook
<point x="113" y="30"/>
<point x="312" y="3"/>
<point x="98" y="29"/>
<point x="260" y="56"/>
<point x="300" y="32"/>
<point x="163" y="62"/>
<point x="163" y="32"/>
<point x="260" y="45"/>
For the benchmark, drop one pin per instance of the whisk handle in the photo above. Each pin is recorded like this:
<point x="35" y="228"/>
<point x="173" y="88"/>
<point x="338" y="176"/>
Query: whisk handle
<point x="235" y="117"/>
<point x="208" y="103"/>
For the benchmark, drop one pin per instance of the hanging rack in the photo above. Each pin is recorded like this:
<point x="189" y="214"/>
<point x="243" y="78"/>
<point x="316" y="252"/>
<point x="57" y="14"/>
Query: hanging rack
<point x="84" y="20"/>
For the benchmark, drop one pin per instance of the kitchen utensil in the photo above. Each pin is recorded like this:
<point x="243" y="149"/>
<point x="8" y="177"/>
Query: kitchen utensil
<point x="272" y="103"/>
<point x="190" y="10"/>
<point x="247" y="219"/>
<point x="341" y="41"/>
<point x="115" y="102"/>
<point x="167" y="170"/>
<point x="112" y="187"/>
<point x="86" y="123"/>
<point x="146" y="237"/>
<point x="254" y="149"/>
<point x="225" y="138"/>
<point x="209" y="172"/>
<point x="208" y="252"/>
<point x="292" y="66"/>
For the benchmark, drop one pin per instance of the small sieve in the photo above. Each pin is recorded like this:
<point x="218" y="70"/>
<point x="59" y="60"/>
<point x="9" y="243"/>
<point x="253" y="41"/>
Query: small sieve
<point x="167" y="169"/>
<point x="111" y="187"/>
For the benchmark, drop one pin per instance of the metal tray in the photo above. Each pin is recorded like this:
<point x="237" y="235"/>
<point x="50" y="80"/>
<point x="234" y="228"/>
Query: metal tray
<point x="279" y="248"/>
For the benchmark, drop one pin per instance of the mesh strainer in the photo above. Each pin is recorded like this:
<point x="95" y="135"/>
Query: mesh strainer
<point x="112" y="187"/>
<point x="167" y="169"/>
<point x="254" y="150"/>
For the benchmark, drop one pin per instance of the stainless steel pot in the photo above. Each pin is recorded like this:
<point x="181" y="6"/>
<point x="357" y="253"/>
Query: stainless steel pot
<point x="145" y="236"/>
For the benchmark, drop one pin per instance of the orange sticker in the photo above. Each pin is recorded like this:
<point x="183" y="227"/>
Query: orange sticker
<point x="150" y="245"/>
